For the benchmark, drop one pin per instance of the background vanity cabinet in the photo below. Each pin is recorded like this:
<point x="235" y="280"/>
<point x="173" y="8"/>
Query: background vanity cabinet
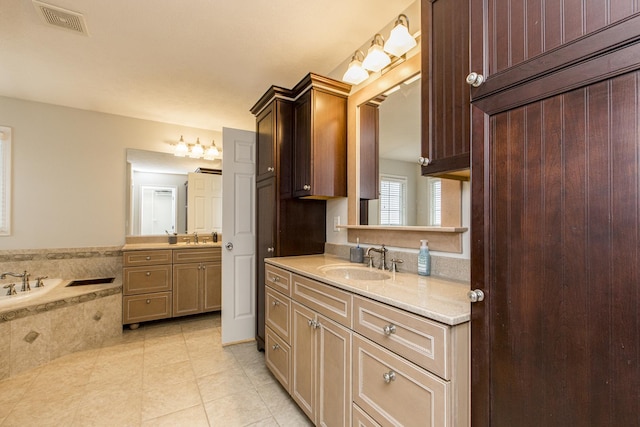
<point x="320" y="138"/>
<point x="146" y="286"/>
<point x="163" y="283"/>
<point x="446" y="111"/>
<point x="197" y="281"/>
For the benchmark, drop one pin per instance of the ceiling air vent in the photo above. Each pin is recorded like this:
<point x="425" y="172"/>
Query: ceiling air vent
<point x="61" y="18"/>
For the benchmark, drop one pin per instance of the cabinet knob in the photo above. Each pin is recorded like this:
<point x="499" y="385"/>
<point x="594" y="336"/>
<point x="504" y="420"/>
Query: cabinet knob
<point x="475" y="79"/>
<point x="275" y="347"/>
<point x="306" y="187"/>
<point x="270" y="249"/>
<point x="275" y="279"/>
<point x="313" y="324"/>
<point x="275" y="303"/>
<point x="148" y="258"/>
<point x="476" y="295"/>
<point x="424" y="161"/>
<point x="148" y="301"/>
<point x="389" y="376"/>
<point x="148" y="273"/>
<point x="389" y="329"/>
<point x="270" y="169"/>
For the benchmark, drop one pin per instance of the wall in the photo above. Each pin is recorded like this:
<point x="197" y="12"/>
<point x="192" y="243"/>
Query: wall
<point x="69" y="172"/>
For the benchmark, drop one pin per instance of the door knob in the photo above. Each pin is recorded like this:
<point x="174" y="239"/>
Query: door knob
<point x="229" y="246"/>
<point x="476" y="295"/>
<point x="475" y="79"/>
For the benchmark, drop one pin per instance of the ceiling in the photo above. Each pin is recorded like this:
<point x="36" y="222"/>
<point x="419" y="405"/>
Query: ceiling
<point x="201" y="63"/>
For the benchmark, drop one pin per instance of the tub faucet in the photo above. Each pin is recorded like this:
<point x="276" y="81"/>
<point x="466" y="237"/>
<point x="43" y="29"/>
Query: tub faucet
<point x="25" y="279"/>
<point x="383" y="256"/>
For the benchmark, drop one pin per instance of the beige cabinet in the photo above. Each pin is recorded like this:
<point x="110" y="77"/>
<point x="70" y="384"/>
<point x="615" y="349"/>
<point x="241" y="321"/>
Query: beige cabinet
<point x="196" y="281"/>
<point x="163" y="283"/>
<point x="146" y="286"/>
<point x="348" y="360"/>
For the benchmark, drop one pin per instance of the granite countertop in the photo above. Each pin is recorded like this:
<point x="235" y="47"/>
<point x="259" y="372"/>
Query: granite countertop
<point x="439" y="299"/>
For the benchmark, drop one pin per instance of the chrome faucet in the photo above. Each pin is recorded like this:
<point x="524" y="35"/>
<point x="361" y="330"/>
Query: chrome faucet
<point x="24" y="276"/>
<point x="383" y="256"/>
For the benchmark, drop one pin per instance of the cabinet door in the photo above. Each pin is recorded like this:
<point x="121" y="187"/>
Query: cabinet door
<point x="333" y="374"/>
<point x="302" y="147"/>
<point x="303" y="353"/>
<point x="187" y="292"/>
<point x="446" y="111"/>
<point x="212" y="285"/>
<point x="266" y="149"/>
<point x="265" y="245"/>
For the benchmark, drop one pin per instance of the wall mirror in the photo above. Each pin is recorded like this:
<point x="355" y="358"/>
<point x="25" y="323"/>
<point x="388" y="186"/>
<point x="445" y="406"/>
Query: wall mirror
<point x="395" y="193"/>
<point x="159" y="196"/>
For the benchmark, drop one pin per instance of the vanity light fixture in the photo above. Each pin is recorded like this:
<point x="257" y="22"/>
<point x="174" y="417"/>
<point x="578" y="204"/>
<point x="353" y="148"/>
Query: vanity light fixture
<point x="355" y="73"/>
<point x="181" y="150"/>
<point x="212" y="152"/>
<point x="400" y="40"/>
<point x="196" y="150"/>
<point x="376" y="58"/>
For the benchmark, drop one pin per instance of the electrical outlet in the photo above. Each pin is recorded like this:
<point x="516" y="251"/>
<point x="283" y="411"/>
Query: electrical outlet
<point x="336" y="223"/>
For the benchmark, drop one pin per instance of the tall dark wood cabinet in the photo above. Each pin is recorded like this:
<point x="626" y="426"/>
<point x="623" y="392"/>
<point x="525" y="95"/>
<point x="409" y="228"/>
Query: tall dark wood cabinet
<point x="287" y="225"/>
<point x="446" y="111"/>
<point x="556" y="213"/>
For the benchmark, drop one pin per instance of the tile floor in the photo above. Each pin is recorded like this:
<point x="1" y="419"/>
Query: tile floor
<point x="169" y="373"/>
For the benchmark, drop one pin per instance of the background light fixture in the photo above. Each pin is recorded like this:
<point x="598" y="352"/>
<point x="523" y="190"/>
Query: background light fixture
<point x="181" y="150"/>
<point x="400" y="40"/>
<point x="376" y="58"/>
<point x="355" y="73"/>
<point x="196" y="151"/>
<point x="212" y="152"/>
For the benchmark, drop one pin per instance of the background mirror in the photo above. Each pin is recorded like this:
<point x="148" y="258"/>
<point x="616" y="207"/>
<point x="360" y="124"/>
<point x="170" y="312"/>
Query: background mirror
<point x="405" y="195"/>
<point x="158" y="194"/>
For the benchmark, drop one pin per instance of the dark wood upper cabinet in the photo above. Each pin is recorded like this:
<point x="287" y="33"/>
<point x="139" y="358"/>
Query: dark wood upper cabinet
<point x="446" y="112"/>
<point x="320" y="138"/>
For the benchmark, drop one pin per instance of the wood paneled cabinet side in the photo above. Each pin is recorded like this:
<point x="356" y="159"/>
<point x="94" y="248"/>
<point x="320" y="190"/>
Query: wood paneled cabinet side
<point x="320" y="138"/>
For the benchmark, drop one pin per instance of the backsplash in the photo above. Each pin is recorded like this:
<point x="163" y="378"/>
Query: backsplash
<point x="441" y="266"/>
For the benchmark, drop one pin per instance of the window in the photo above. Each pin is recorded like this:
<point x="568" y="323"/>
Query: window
<point x="435" y="189"/>
<point x="5" y="181"/>
<point x="393" y="194"/>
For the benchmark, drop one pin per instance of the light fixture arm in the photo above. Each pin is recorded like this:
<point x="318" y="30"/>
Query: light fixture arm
<point x="399" y="20"/>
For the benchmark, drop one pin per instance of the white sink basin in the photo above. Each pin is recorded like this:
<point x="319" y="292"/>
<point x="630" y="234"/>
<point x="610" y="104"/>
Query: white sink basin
<point x="354" y="273"/>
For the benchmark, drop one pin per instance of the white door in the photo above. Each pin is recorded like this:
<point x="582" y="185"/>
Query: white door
<point x="238" y="236"/>
<point x="205" y="203"/>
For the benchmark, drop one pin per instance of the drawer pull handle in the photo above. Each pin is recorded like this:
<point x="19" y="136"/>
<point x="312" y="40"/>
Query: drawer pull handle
<point x="148" y="258"/>
<point x="148" y="301"/>
<point x="275" y="347"/>
<point x="275" y="279"/>
<point x="275" y="303"/>
<point x="389" y="376"/>
<point x="148" y="273"/>
<point x="389" y="329"/>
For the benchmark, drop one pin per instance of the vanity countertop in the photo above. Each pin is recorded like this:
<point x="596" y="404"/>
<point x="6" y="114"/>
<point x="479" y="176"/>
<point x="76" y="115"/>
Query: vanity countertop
<point x="439" y="299"/>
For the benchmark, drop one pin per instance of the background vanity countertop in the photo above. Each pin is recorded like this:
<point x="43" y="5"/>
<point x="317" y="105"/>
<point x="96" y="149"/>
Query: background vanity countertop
<point x="439" y="299"/>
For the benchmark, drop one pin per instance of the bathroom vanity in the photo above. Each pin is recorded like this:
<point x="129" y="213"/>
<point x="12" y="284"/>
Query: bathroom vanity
<point x="161" y="281"/>
<point x="358" y="346"/>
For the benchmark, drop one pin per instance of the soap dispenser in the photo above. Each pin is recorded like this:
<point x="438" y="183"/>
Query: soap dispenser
<point x="424" y="259"/>
<point x="357" y="253"/>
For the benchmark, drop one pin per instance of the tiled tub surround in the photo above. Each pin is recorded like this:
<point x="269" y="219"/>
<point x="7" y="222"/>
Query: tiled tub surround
<point x="34" y="331"/>
<point x="441" y="266"/>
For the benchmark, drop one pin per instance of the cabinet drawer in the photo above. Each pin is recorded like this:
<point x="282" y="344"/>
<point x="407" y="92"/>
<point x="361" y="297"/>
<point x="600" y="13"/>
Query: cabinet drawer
<point x="277" y="357"/>
<point x="325" y="299"/>
<point x="277" y="313"/>
<point x="134" y="258"/>
<point x="419" y="340"/>
<point x="154" y="278"/>
<point x="361" y="418"/>
<point x="141" y="308"/>
<point x="414" y="397"/>
<point x="278" y="279"/>
<point x="197" y="255"/>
